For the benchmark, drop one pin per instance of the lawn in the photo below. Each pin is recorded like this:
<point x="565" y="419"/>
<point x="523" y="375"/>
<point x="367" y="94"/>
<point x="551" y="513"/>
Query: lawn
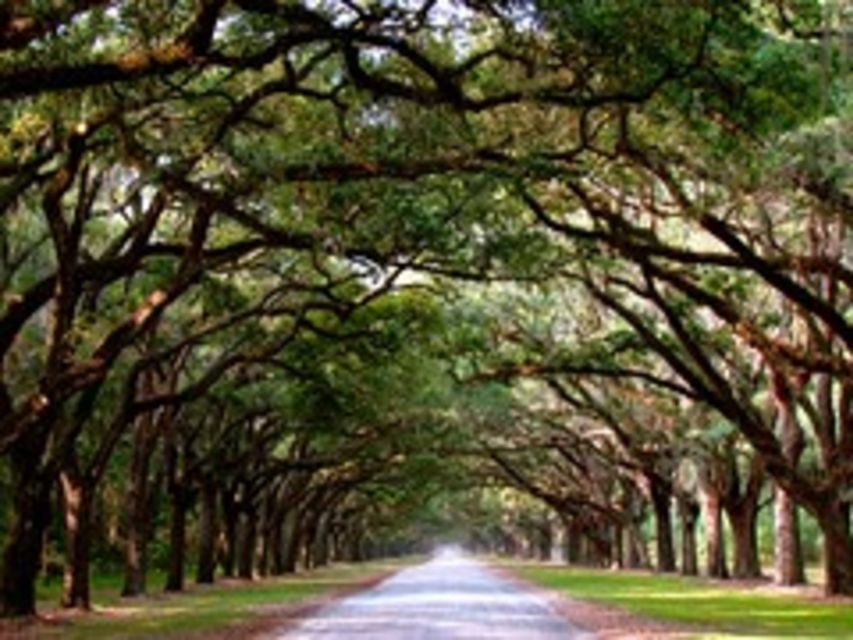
<point x="725" y="611"/>
<point x="199" y="609"/>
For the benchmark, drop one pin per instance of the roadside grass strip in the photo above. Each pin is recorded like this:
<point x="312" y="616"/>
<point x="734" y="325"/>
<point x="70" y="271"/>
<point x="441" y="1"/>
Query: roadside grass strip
<point x="718" y="611"/>
<point x="199" y="610"/>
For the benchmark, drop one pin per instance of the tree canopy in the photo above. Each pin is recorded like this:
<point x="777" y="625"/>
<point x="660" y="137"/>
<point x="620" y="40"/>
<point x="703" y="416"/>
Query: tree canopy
<point x="290" y="280"/>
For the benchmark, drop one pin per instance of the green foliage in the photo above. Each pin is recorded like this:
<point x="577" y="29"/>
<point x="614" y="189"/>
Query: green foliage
<point x="382" y="259"/>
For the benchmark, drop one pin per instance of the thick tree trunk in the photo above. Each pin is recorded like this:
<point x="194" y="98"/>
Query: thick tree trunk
<point x="546" y="541"/>
<point x="276" y="546"/>
<point x="589" y="555"/>
<point x="320" y="547"/>
<point x="309" y="533"/>
<point x="689" y="512"/>
<point x="177" y="540"/>
<point x="716" y="550"/>
<point x="263" y="560"/>
<point x="290" y="542"/>
<point x="572" y="542"/>
<point x="136" y="550"/>
<point x="637" y="556"/>
<point x="787" y="546"/>
<point x="77" y="501"/>
<point x="662" y="502"/>
<point x="618" y="552"/>
<point x="834" y="521"/>
<point x="24" y="538"/>
<point x="206" y="568"/>
<point x="355" y="547"/>
<point x="139" y="507"/>
<point x="230" y="521"/>
<point x="743" y="522"/>
<point x="248" y="541"/>
<point x="351" y="541"/>
<point x="741" y="504"/>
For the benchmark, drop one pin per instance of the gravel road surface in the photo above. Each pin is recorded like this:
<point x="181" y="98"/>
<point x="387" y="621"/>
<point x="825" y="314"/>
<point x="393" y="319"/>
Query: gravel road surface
<point x="451" y="597"/>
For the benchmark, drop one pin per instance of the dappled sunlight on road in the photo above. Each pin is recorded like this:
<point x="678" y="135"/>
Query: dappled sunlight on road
<point x="452" y="597"/>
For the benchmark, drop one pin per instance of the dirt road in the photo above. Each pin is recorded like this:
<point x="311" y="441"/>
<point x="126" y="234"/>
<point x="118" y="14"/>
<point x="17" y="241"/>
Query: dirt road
<point x="451" y="597"/>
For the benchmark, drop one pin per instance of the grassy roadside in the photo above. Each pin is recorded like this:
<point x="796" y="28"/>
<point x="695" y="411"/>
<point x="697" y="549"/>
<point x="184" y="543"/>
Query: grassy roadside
<point x="725" y="611"/>
<point x="200" y="609"/>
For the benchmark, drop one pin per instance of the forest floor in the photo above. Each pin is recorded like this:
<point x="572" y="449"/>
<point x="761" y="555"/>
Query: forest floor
<point x="621" y="604"/>
<point x="229" y="609"/>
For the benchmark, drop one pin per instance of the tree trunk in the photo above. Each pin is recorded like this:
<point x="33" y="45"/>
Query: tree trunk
<point x="177" y="540"/>
<point x="263" y="561"/>
<point x="320" y="548"/>
<point x="352" y="542"/>
<point x="309" y="532"/>
<point x="618" y="553"/>
<point x="834" y="521"/>
<point x="689" y="511"/>
<point x="247" y="543"/>
<point x="714" y="535"/>
<point x="290" y="542"/>
<point x="276" y="545"/>
<point x="787" y="546"/>
<point x="572" y="542"/>
<point x="231" y="521"/>
<point x="136" y="551"/>
<point x="139" y="508"/>
<point x="546" y="541"/>
<point x="25" y="537"/>
<point x="743" y="522"/>
<point x="77" y="501"/>
<point x="661" y="501"/>
<point x="637" y="556"/>
<point x="206" y="568"/>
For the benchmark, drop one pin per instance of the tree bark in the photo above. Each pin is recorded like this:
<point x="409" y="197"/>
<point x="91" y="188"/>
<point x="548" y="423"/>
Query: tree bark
<point x="247" y="543"/>
<point x="139" y="501"/>
<point x="230" y="520"/>
<point x="138" y="518"/>
<point x="177" y="540"/>
<point x="24" y="538"/>
<point x="276" y="546"/>
<point x="309" y="532"/>
<point x="77" y="501"/>
<point x="743" y="522"/>
<point x="546" y="541"/>
<point x="618" y="553"/>
<point x="787" y="545"/>
<point x="572" y="542"/>
<point x="206" y="568"/>
<point x="290" y="541"/>
<point x="689" y="511"/>
<point x="661" y="502"/>
<point x="320" y="548"/>
<point x="834" y="521"/>
<point x="637" y="556"/>
<point x="741" y="504"/>
<point x="716" y="550"/>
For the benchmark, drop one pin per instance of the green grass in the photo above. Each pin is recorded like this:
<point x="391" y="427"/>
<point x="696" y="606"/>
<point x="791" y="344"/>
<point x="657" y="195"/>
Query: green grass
<point x="721" y="611"/>
<point x="200" y="609"/>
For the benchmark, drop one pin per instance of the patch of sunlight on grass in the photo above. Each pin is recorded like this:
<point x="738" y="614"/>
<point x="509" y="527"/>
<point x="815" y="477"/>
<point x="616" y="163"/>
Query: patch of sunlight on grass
<point x="724" y="611"/>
